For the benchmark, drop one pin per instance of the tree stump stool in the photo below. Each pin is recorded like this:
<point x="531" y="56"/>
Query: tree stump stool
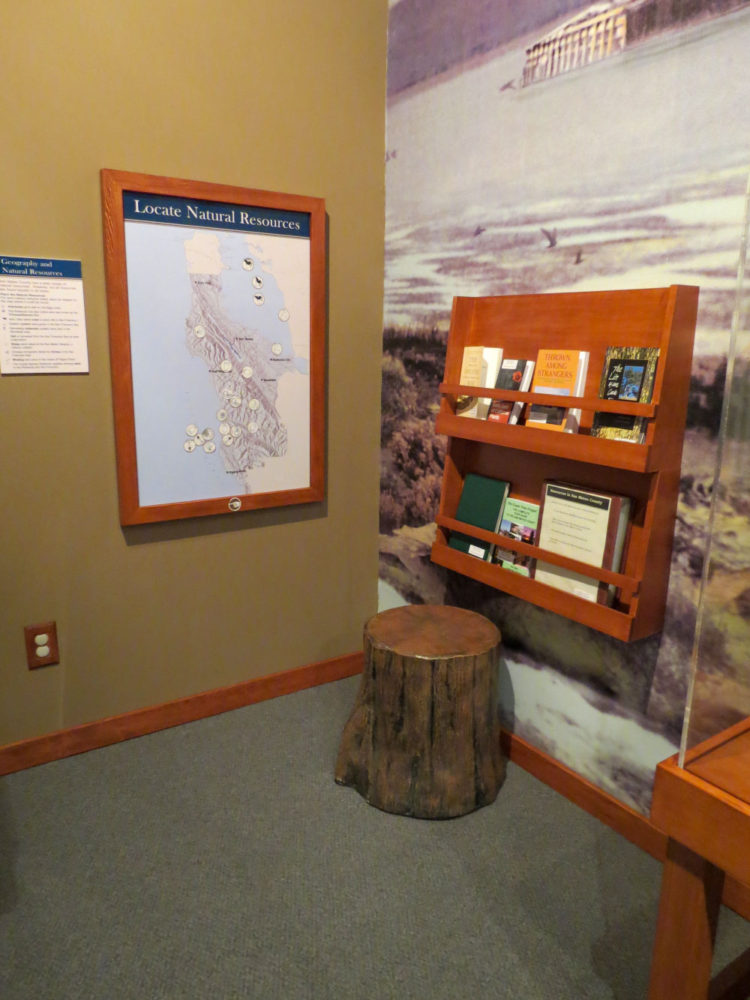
<point x="423" y="738"/>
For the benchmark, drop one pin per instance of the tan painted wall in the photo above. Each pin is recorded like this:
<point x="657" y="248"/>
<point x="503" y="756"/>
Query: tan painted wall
<point x="285" y="96"/>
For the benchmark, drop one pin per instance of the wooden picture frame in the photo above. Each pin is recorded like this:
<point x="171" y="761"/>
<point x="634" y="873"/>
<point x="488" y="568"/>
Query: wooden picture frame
<point x="216" y="298"/>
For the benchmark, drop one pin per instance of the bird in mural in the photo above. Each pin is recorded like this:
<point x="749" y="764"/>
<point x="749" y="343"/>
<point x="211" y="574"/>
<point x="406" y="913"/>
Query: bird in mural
<point x="551" y="237"/>
<point x="510" y="85"/>
<point x="579" y="256"/>
<point x="479" y="230"/>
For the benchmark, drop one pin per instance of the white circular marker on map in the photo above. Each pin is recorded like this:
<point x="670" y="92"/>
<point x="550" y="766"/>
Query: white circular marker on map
<point x="236" y="431"/>
<point x="224" y="428"/>
<point x="200" y="332"/>
<point x="221" y="414"/>
<point x="257" y="281"/>
<point x="227" y="391"/>
<point x="252" y="427"/>
<point x="189" y="446"/>
<point x="228" y="440"/>
<point x="247" y="372"/>
<point x="199" y="440"/>
<point x="283" y="315"/>
<point x="235" y="401"/>
<point x="235" y="504"/>
<point x="248" y="263"/>
<point x="259" y="299"/>
<point x="226" y="365"/>
<point x="254" y="404"/>
<point x="209" y="447"/>
<point x="208" y="434"/>
<point x="276" y="349"/>
<point x="191" y="430"/>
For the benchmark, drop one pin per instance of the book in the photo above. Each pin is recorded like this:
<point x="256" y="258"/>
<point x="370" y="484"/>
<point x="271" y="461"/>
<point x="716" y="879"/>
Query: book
<point x="520" y="521"/>
<point x="480" y="504"/>
<point x="587" y="525"/>
<point x="552" y="418"/>
<point x="628" y="373"/>
<point x="471" y="374"/>
<point x="514" y="374"/>
<point x="479" y="367"/>
<point x="559" y="372"/>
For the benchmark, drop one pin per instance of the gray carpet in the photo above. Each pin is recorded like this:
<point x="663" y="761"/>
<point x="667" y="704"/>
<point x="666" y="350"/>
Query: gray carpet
<point x="220" y="860"/>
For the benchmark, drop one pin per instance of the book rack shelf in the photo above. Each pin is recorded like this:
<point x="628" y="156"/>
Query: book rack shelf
<point x="527" y="456"/>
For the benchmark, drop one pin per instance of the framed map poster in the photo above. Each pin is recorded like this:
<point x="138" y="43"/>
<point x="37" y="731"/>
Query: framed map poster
<point x="216" y="299"/>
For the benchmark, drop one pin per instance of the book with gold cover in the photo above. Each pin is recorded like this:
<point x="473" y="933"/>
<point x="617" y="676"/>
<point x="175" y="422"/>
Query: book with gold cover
<point x="628" y="374"/>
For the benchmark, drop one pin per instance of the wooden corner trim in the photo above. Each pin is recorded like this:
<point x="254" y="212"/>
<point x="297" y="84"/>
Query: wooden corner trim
<point x="105" y="732"/>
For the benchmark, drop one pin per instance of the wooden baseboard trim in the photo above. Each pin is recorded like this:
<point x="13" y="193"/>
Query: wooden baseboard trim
<point x="105" y="732"/>
<point x="92" y="735"/>
<point x="632" y="825"/>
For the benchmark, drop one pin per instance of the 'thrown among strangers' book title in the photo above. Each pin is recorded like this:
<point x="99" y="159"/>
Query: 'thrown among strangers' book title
<point x="559" y="372"/>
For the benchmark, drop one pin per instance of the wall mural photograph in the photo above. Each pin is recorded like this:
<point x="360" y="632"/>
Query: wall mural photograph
<point x="561" y="146"/>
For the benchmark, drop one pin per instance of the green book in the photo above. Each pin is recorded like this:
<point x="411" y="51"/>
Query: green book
<point x="481" y="504"/>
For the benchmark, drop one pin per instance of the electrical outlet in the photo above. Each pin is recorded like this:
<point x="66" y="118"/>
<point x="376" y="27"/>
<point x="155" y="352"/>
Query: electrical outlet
<point x="42" y="649"/>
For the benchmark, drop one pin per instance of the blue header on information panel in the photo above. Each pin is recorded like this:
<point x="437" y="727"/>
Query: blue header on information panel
<point x="138" y="207"/>
<point x="40" y="267"/>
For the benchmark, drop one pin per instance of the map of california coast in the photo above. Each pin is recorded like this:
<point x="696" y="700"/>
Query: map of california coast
<point x="238" y="422"/>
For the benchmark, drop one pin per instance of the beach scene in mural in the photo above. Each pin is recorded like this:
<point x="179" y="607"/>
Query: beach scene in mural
<point x="541" y="166"/>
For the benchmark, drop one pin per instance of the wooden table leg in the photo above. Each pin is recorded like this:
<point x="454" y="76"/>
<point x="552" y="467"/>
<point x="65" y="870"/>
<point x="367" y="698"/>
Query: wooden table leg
<point x="686" y="927"/>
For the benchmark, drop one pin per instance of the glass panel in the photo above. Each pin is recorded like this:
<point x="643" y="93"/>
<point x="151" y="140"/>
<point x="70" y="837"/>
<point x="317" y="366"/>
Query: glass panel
<point x="719" y="689"/>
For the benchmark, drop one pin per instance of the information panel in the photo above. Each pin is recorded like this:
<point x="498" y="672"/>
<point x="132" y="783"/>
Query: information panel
<point x="220" y="344"/>
<point x="42" y="320"/>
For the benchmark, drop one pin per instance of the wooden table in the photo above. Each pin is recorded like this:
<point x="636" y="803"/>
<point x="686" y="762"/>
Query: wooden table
<point x="423" y="738"/>
<point x="704" y="808"/>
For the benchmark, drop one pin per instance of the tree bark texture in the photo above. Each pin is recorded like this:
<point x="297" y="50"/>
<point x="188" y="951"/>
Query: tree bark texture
<point x="423" y="738"/>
